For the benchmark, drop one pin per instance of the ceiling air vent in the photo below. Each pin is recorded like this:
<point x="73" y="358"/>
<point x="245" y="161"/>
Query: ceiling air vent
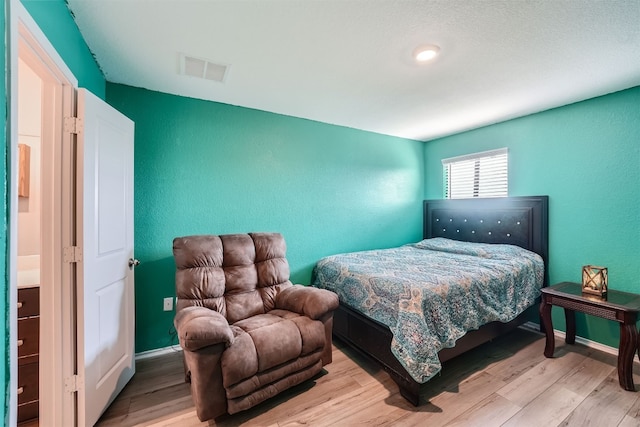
<point x="202" y="68"/>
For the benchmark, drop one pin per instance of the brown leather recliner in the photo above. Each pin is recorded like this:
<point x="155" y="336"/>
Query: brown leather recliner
<point x="247" y="332"/>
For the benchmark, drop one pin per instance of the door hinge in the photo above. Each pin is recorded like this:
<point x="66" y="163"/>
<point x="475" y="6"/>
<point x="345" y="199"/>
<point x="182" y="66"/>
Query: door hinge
<point x="72" y="125"/>
<point x="72" y="254"/>
<point x="73" y="384"/>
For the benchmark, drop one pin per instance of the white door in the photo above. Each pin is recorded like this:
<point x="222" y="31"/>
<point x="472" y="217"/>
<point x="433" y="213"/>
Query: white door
<point x="105" y="297"/>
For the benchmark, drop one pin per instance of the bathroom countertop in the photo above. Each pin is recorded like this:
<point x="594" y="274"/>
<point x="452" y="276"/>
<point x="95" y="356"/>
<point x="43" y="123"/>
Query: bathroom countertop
<point x="28" y="278"/>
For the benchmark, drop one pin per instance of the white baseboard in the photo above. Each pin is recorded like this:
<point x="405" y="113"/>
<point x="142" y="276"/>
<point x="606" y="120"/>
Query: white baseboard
<point x="158" y="352"/>
<point x="531" y="326"/>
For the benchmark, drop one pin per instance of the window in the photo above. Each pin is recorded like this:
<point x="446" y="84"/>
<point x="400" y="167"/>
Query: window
<point x="476" y="175"/>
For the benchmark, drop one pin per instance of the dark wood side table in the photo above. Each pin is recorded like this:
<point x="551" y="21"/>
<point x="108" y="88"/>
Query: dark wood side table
<point x="622" y="307"/>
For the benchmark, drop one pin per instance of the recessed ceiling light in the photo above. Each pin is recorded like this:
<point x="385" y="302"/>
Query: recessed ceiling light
<point x="426" y="53"/>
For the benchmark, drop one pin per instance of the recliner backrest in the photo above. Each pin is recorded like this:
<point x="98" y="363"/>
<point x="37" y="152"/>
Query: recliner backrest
<point x="237" y="275"/>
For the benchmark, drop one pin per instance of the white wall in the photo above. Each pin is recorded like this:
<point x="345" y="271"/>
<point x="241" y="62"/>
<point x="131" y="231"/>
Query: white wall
<point x="29" y="132"/>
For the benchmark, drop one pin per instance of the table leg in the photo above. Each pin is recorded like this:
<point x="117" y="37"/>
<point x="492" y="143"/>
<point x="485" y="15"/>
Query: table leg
<point x="545" y="315"/>
<point x="570" y="318"/>
<point x="626" y="353"/>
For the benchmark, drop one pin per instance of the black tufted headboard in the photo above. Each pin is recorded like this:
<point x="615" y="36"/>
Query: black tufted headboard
<point x="521" y="221"/>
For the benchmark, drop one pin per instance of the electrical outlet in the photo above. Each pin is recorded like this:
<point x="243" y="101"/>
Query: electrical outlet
<point x="168" y="304"/>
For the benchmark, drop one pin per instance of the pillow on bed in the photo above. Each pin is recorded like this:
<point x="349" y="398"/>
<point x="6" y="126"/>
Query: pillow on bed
<point x="482" y="250"/>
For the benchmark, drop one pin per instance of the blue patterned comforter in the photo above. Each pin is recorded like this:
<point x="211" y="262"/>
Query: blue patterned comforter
<point x="432" y="292"/>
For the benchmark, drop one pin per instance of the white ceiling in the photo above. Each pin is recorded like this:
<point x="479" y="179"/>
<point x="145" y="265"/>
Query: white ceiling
<point x="349" y="62"/>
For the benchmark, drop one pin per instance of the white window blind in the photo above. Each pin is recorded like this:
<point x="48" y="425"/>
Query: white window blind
<point x="482" y="174"/>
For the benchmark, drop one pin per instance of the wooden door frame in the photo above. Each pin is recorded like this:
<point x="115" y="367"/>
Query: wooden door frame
<point x="57" y="319"/>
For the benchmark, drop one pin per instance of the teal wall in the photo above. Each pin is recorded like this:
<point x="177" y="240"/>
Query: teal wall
<point x="4" y="320"/>
<point x="55" y="21"/>
<point x="209" y="168"/>
<point x="586" y="157"/>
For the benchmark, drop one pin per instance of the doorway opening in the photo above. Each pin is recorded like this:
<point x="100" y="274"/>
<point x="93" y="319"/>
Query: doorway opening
<point x="29" y="242"/>
<point x="43" y="352"/>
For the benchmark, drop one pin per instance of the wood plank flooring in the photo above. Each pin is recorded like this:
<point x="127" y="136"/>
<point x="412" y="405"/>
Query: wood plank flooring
<point x="507" y="382"/>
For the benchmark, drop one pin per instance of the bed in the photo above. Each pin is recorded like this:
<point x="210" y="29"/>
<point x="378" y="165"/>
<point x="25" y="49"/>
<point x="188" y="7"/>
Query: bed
<point x="395" y="304"/>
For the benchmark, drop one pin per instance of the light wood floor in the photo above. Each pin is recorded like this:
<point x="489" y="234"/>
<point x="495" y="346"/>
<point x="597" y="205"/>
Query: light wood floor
<point x="507" y="382"/>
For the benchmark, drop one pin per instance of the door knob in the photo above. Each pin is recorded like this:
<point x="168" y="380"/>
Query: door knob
<point x="133" y="262"/>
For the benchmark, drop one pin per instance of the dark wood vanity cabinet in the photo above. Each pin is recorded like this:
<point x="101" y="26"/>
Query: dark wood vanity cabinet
<point x="28" y="352"/>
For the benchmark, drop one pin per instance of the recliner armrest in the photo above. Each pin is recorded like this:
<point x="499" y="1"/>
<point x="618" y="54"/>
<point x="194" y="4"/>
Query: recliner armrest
<point x="200" y="327"/>
<point x="312" y="302"/>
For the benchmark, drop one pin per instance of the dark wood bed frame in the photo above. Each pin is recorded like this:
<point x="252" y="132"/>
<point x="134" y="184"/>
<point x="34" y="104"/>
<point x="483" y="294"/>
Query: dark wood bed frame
<point x="521" y="221"/>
